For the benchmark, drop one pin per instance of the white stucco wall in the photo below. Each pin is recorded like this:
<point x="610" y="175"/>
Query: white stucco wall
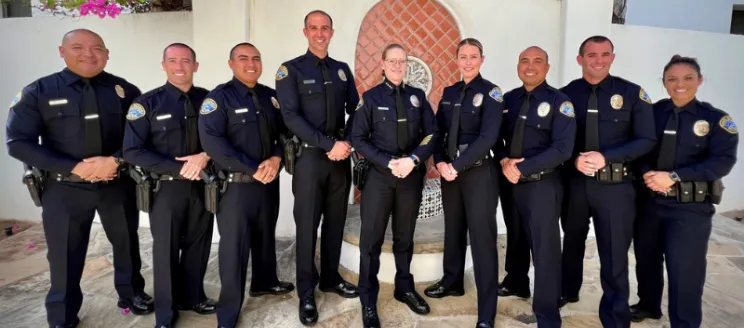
<point x="642" y="53"/>
<point x="698" y="15"/>
<point x="29" y="51"/>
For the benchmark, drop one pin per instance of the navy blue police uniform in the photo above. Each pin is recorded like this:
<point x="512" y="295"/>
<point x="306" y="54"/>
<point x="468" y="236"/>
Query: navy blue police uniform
<point x="469" y="119"/>
<point x="541" y="128"/>
<point x="161" y="126"/>
<point x="239" y="128"/>
<point x="391" y="122"/>
<point x="315" y="94"/>
<point x="698" y="147"/>
<point x="54" y="123"/>
<point x="614" y="118"/>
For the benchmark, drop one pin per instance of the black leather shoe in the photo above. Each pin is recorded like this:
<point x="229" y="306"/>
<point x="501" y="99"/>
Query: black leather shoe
<point x="308" y="311"/>
<point x="438" y="291"/>
<point x="137" y="305"/>
<point x="370" y="318"/>
<point x="344" y="289"/>
<point x="565" y="300"/>
<point x="484" y="324"/>
<point x="282" y="288"/>
<point x="70" y="325"/>
<point x="146" y="297"/>
<point x="414" y="302"/>
<point x="207" y="306"/>
<point x="639" y="314"/>
<point x="506" y="291"/>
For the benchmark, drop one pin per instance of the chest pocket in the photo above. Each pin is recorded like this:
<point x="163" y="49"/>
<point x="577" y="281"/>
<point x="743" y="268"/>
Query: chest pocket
<point x="165" y="126"/>
<point x="62" y="117"/>
<point x="311" y="91"/>
<point x="383" y="116"/>
<point x="541" y="123"/>
<point x="692" y="141"/>
<point x="620" y="116"/>
<point x="239" y="119"/>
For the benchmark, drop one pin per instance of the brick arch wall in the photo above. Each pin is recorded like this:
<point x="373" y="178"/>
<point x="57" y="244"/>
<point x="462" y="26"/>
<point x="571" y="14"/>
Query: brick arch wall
<point x="424" y="28"/>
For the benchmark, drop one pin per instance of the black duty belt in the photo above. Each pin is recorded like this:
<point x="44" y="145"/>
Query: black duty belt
<point x="689" y="192"/>
<point x="76" y="179"/>
<point x="536" y="176"/>
<point x="239" y="177"/>
<point x="613" y="173"/>
<point x="166" y="177"/>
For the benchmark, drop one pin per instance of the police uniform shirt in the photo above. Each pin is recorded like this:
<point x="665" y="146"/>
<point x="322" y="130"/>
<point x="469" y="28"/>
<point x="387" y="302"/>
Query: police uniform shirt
<point x="706" y="141"/>
<point x="626" y="126"/>
<point x="549" y="131"/>
<point x="480" y="118"/>
<point x="156" y="128"/>
<point x="52" y="107"/>
<point x="301" y="92"/>
<point x="375" y="127"/>
<point x="229" y="126"/>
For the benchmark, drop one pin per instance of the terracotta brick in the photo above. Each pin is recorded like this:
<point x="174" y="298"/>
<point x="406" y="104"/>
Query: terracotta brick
<point x="405" y="17"/>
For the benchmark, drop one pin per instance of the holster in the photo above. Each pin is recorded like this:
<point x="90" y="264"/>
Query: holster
<point x="291" y="150"/>
<point x="612" y="173"/>
<point x="144" y="189"/>
<point x="34" y="179"/>
<point x="213" y="187"/>
<point x="361" y="168"/>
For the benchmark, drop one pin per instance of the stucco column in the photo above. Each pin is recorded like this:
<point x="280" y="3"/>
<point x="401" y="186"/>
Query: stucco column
<point x="218" y="26"/>
<point x="581" y="19"/>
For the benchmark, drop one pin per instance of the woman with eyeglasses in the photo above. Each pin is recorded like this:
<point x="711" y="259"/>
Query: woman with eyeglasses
<point x="469" y="116"/>
<point x="394" y="127"/>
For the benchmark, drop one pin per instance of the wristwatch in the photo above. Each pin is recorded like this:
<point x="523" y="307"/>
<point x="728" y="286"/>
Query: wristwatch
<point x="414" y="159"/>
<point x="119" y="160"/>
<point x="673" y="175"/>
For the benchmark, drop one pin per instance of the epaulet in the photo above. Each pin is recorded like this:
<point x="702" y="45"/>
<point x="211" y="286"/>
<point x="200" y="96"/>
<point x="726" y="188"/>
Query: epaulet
<point x="710" y="107"/>
<point x="152" y="93"/>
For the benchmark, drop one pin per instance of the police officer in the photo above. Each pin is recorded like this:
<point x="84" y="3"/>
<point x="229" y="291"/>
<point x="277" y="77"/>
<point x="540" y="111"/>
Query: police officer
<point x="615" y="127"/>
<point x="697" y="149"/>
<point x="79" y="114"/>
<point x="539" y="137"/>
<point x="469" y="115"/>
<point x="395" y="128"/>
<point x="239" y="126"/>
<point x="161" y="137"/>
<point x="314" y="90"/>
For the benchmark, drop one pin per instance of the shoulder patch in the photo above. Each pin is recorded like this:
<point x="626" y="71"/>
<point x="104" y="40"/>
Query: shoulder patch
<point x="567" y="109"/>
<point x="16" y="99"/>
<point x="136" y="111"/>
<point x="496" y="94"/>
<point x="361" y="103"/>
<point x="644" y="96"/>
<point x="281" y="73"/>
<point x="727" y="123"/>
<point x="208" y="106"/>
<point x="275" y="102"/>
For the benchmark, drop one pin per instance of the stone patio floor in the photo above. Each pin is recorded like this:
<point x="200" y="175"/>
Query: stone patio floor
<point x="24" y="280"/>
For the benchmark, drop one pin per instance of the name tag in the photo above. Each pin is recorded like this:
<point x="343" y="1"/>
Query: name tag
<point x="163" y="117"/>
<point x="57" y="102"/>
<point x="446" y="103"/>
<point x="458" y="105"/>
<point x="91" y="117"/>
<point x="308" y="81"/>
<point x="382" y="108"/>
<point x="241" y="111"/>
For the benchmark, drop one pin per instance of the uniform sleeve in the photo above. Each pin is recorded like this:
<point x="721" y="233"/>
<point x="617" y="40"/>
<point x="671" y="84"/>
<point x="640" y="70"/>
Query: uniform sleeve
<point x="360" y="136"/>
<point x="442" y="126"/>
<point x="721" y="157"/>
<point x="213" y="132"/>
<point x="352" y="99"/>
<point x="137" y="139"/>
<point x="281" y="129"/>
<point x="289" y="101"/>
<point x="562" y="136"/>
<point x="492" y="112"/>
<point x="499" y="149"/>
<point x="23" y="128"/>
<point x="431" y="132"/>
<point x="644" y="133"/>
<point x="132" y="94"/>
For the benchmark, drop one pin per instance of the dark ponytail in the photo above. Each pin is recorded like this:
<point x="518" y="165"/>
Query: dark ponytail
<point x="689" y="61"/>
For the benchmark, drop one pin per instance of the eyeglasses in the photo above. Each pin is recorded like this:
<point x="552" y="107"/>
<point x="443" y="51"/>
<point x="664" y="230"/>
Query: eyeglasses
<point x="394" y="62"/>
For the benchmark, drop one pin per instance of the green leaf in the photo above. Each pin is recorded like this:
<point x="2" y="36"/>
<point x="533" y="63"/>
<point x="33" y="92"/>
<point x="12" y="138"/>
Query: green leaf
<point x="50" y="3"/>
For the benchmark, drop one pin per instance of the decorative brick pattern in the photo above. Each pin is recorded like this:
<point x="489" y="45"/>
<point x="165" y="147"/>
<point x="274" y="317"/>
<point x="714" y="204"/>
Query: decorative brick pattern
<point x="425" y="29"/>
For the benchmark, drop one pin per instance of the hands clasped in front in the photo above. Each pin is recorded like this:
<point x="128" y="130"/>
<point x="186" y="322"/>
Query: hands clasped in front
<point x="341" y="151"/>
<point x="401" y="167"/>
<point x="268" y="170"/>
<point x="447" y="171"/>
<point x="96" y="169"/>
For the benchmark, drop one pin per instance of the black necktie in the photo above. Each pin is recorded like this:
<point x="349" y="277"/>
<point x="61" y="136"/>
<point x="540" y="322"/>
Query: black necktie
<point x="592" y="122"/>
<point x="515" y="148"/>
<point x="665" y="162"/>
<point x="454" y="130"/>
<point x="263" y="125"/>
<point x="330" y="100"/>
<point x="92" y="121"/>
<point x="192" y="135"/>
<point x="402" y="119"/>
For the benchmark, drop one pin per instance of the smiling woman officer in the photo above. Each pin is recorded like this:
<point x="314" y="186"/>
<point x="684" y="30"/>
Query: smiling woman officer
<point x="675" y="210"/>
<point x="395" y="128"/>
